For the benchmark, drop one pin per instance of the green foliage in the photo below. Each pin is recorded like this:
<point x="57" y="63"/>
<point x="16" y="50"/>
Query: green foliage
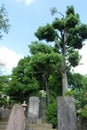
<point x="4" y="27"/>
<point x="58" y="24"/>
<point x="51" y="113"/>
<point x="83" y="114"/>
<point x="3" y="87"/>
<point x="70" y="92"/>
<point x="32" y="73"/>
<point x="43" y="65"/>
<point x="3" y="100"/>
<point x="73" y="56"/>
<point x="68" y="33"/>
<point x="45" y="62"/>
<point x="53" y="10"/>
<point x="84" y="81"/>
<point x="75" y="80"/>
<point x="36" y="47"/>
<point x="4" y="22"/>
<point x="70" y="28"/>
<point x="70" y="10"/>
<point x="79" y="92"/>
<point x="83" y="31"/>
<point x="71" y="21"/>
<point x="20" y="91"/>
<point x="42" y="70"/>
<point x="81" y="100"/>
<point x="80" y="96"/>
<point x="22" y="85"/>
<point x="46" y="32"/>
<point x="54" y="82"/>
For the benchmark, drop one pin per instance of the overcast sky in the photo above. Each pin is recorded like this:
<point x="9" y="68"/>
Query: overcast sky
<point x="25" y="16"/>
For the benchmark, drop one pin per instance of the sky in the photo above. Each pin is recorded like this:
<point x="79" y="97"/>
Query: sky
<point x="25" y="16"/>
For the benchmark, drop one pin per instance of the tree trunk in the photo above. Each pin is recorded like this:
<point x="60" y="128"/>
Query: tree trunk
<point x="64" y="82"/>
<point x="63" y="66"/>
<point x="45" y="78"/>
<point x="64" y="76"/>
<point x="47" y="90"/>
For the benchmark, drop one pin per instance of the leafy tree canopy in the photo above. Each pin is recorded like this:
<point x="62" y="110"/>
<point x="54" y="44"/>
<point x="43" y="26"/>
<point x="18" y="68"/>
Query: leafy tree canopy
<point x="37" y="47"/>
<point x="29" y="77"/>
<point x="4" y="22"/>
<point x="68" y="34"/>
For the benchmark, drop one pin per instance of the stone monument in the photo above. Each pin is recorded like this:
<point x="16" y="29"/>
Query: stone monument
<point x="66" y="113"/>
<point x="16" y="119"/>
<point x="42" y="110"/>
<point x="33" y="110"/>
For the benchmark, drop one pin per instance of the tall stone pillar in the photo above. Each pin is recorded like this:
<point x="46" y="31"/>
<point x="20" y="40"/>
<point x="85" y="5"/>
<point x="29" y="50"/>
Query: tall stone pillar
<point x="43" y="108"/>
<point x="66" y="113"/>
<point x="33" y="109"/>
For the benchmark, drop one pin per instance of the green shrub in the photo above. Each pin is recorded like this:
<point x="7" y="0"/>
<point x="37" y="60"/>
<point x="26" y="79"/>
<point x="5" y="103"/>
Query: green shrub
<point x="70" y="92"/>
<point x="51" y="113"/>
<point x="80" y="96"/>
<point x="83" y="114"/>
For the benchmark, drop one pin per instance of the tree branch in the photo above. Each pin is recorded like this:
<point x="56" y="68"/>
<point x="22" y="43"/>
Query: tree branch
<point x="56" y="41"/>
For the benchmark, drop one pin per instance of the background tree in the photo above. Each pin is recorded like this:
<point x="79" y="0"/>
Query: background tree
<point x="75" y="80"/>
<point x="78" y="89"/>
<point x="79" y="92"/>
<point x="3" y="86"/>
<point x="68" y="33"/>
<point x="45" y="62"/>
<point x="4" y="27"/>
<point x="22" y="85"/>
<point x="34" y="73"/>
<point x="37" y="47"/>
<point x="4" y="22"/>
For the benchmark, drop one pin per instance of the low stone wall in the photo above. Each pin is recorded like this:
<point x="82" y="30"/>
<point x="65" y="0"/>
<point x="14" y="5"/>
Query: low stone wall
<point x="4" y="114"/>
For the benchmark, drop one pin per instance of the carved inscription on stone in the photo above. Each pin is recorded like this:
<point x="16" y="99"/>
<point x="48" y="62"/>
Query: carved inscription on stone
<point x="16" y="119"/>
<point x="33" y="111"/>
<point x="66" y="113"/>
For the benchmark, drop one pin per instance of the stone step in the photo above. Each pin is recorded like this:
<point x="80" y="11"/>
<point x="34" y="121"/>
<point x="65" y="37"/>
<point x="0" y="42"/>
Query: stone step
<point x="3" y="122"/>
<point x="42" y="129"/>
<point x="3" y="125"/>
<point x="3" y="129"/>
<point x="42" y="126"/>
<point x="37" y="126"/>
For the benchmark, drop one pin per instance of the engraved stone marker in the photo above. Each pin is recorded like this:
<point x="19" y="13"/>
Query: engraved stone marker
<point x="33" y="111"/>
<point x="66" y="113"/>
<point x="43" y="108"/>
<point x="16" y="119"/>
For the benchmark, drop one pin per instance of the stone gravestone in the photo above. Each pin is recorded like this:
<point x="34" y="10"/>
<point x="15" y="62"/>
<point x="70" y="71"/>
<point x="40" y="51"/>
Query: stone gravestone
<point x="66" y="113"/>
<point x="33" y="110"/>
<point x="16" y="119"/>
<point x="43" y="108"/>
